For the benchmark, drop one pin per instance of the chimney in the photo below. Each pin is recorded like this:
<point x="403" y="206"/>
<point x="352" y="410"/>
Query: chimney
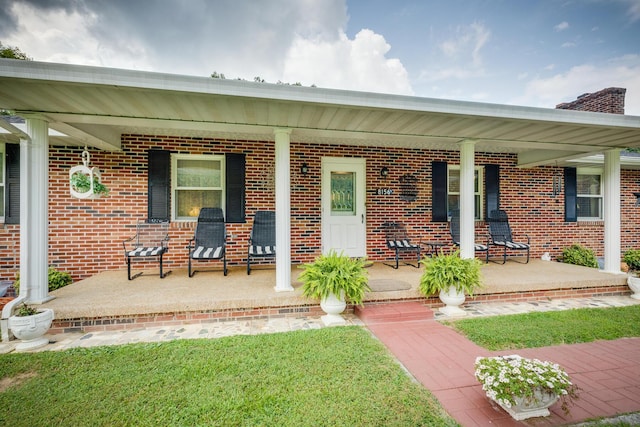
<point x="610" y="100"/>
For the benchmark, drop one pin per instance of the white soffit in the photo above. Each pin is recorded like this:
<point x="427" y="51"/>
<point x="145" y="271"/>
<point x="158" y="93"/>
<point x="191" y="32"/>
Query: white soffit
<point x="94" y="106"/>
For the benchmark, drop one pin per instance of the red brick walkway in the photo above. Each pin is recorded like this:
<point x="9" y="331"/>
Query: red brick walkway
<point x="607" y="372"/>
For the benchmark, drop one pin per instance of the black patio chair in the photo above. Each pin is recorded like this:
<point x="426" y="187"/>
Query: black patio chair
<point x="150" y="240"/>
<point x="500" y="234"/>
<point x="454" y="230"/>
<point x="399" y="242"/>
<point x="210" y="239"/>
<point x="262" y="240"/>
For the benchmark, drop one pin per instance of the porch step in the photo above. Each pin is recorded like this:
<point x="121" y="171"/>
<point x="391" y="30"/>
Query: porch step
<point x="393" y="312"/>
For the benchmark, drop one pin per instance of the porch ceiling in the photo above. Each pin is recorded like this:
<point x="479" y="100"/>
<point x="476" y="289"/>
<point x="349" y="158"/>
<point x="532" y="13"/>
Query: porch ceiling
<point x="95" y="106"/>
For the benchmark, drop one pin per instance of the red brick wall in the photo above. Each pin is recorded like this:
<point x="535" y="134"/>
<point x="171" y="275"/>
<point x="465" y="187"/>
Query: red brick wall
<point x="610" y="100"/>
<point x="86" y="235"/>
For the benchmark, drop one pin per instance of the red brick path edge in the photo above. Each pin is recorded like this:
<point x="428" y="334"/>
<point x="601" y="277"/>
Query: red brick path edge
<point x="607" y="372"/>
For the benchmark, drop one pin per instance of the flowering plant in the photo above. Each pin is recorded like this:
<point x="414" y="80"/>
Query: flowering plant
<point x="504" y="378"/>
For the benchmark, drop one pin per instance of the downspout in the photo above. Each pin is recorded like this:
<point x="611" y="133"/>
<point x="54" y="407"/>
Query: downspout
<point x="22" y="297"/>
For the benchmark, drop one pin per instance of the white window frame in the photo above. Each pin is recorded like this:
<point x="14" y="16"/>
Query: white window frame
<point x="479" y="193"/>
<point x="3" y="179"/>
<point x="174" y="181"/>
<point x="591" y="171"/>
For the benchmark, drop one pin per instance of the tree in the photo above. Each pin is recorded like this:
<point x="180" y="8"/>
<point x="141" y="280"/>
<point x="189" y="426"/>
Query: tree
<point x="12" y="53"/>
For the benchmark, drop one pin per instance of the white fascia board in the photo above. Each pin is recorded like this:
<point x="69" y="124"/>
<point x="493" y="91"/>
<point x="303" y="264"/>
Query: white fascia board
<point x="172" y="82"/>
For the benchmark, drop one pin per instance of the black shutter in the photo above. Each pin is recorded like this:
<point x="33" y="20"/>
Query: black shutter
<point x="12" y="185"/>
<point x="439" y="192"/>
<point x="159" y="188"/>
<point x="235" y="188"/>
<point x="491" y="188"/>
<point x="570" y="195"/>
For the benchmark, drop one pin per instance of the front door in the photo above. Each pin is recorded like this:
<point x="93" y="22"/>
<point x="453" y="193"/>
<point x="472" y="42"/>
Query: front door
<point x="343" y="206"/>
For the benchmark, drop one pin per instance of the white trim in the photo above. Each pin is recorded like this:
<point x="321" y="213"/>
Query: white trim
<point x="480" y="193"/>
<point x="592" y="171"/>
<point x="283" y="210"/>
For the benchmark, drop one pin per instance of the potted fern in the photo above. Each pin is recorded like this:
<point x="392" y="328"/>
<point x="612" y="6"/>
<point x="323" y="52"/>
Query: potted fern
<point x="29" y="325"/>
<point x="451" y="277"/>
<point x="335" y="279"/>
<point x="632" y="259"/>
<point x="82" y="186"/>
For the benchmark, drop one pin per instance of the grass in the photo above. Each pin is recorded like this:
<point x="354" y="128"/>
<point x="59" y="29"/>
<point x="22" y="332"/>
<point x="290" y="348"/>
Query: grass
<point x="331" y="376"/>
<point x="541" y="329"/>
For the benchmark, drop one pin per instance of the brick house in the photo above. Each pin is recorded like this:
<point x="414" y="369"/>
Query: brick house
<point x="558" y="173"/>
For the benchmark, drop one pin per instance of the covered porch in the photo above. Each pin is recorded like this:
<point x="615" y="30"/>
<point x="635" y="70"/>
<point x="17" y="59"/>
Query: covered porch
<point x="108" y="301"/>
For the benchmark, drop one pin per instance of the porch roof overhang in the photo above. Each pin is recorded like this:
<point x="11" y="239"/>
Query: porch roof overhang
<point x="94" y="106"/>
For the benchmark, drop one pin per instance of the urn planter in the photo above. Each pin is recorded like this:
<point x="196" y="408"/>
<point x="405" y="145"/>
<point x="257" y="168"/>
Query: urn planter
<point x="529" y="407"/>
<point x="634" y="284"/>
<point x="31" y="329"/>
<point x="453" y="299"/>
<point x="333" y="306"/>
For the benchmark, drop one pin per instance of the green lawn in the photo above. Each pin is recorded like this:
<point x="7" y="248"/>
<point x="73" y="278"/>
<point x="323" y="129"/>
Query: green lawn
<point x="542" y="329"/>
<point x="326" y="377"/>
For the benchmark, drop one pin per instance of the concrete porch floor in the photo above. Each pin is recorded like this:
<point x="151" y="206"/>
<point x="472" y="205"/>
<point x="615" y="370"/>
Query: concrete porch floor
<point x="111" y="294"/>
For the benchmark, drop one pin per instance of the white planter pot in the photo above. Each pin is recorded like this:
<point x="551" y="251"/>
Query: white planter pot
<point x="528" y="408"/>
<point x="634" y="284"/>
<point x="333" y="305"/>
<point x="452" y="300"/>
<point x="30" y="329"/>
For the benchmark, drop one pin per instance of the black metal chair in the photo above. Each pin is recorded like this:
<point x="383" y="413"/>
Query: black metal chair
<point x="454" y="230"/>
<point x="150" y="240"/>
<point x="500" y="234"/>
<point x="210" y="239"/>
<point x="262" y="240"/>
<point x="399" y="242"/>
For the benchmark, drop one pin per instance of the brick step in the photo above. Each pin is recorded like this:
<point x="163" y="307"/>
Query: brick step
<point x="393" y="312"/>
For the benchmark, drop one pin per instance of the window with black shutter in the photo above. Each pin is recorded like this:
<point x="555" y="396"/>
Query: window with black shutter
<point x="570" y="195"/>
<point x="439" y="192"/>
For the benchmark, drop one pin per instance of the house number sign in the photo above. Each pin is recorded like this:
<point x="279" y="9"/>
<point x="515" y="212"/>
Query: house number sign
<point x="384" y="191"/>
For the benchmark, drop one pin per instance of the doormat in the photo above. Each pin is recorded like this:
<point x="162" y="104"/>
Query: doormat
<point x="386" y="285"/>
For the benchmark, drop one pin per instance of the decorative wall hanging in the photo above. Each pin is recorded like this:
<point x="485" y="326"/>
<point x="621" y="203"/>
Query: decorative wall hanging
<point x="85" y="182"/>
<point x="408" y="188"/>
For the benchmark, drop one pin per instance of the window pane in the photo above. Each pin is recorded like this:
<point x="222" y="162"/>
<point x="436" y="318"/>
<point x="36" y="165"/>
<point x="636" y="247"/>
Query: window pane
<point x="453" y="201"/>
<point x="189" y="202"/>
<point x="198" y="173"/>
<point x="1" y="201"/>
<point x="588" y="184"/>
<point x="454" y="181"/>
<point x="589" y="207"/>
<point x="343" y="190"/>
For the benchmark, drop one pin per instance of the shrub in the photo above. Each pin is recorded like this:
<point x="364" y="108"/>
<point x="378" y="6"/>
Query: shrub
<point x="579" y="255"/>
<point x="632" y="259"/>
<point x="57" y="279"/>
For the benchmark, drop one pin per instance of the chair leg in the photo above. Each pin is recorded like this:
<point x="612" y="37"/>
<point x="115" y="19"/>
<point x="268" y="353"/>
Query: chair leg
<point x="161" y="275"/>
<point x="248" y="264"/>
<point x="224" y="261"/>
<point x="129" y="267"/>
<point x="190" y="272"/>
<point x="397" y="259"/>
<point x="504" y="257"/>
<point x="527" y="256"/>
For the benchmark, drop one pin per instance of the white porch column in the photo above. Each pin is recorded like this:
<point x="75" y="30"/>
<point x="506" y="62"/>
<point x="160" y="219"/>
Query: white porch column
<point x="612" y="211"/>
<point x="34" y="212"/>
<point x="283" y="211"/>
<point x="467" y="199"/>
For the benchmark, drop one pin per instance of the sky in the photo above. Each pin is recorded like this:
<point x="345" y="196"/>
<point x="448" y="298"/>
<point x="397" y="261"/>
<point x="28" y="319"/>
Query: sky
<point x="516" y="52"/>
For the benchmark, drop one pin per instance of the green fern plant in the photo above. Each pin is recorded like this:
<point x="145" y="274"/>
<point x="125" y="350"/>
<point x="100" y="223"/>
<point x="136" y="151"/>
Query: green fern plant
<point x="332" y="273"/>
<point x="446" y="270"/>
<point x="81" y="183"/>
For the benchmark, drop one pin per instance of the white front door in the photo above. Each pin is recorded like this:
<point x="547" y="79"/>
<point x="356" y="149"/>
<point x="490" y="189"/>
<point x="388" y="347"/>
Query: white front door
<point x="344" y="222"/>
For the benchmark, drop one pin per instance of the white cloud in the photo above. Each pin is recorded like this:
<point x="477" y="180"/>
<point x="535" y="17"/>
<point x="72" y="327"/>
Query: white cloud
<point x="468" y="42"/>
<point x="634" y="10"/>
<point x="619" y="72"/>
<point x="561" y="26"/>
<point x="358" y="64"/>
<point x="568" y="44"/>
